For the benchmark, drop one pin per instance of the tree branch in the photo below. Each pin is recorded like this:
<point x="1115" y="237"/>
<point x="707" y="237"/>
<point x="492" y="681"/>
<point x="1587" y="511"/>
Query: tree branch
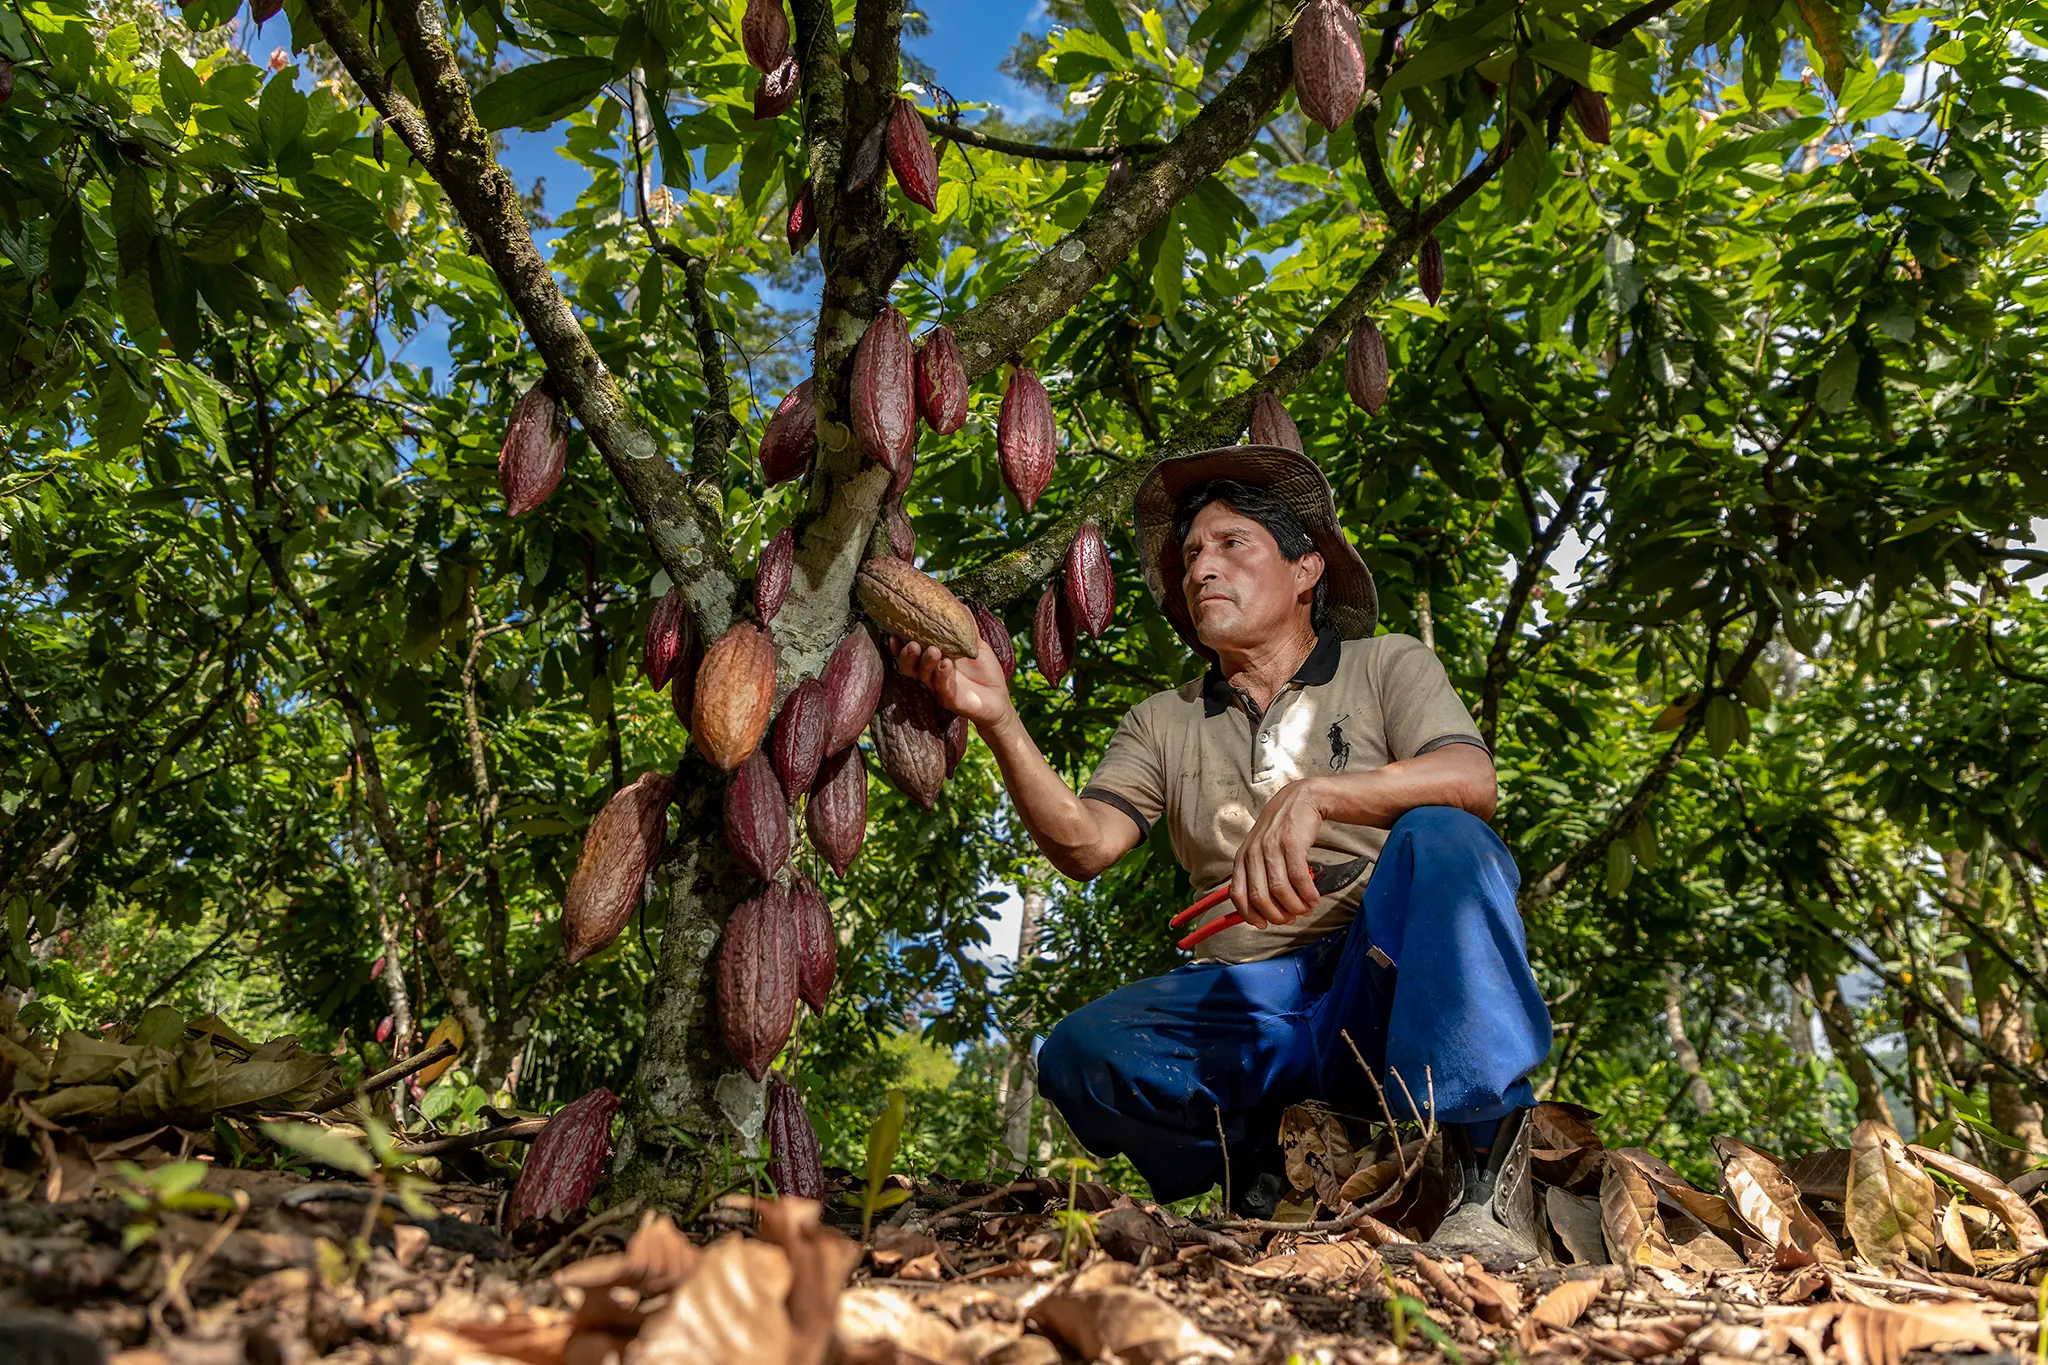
<point x="969" y="137"/>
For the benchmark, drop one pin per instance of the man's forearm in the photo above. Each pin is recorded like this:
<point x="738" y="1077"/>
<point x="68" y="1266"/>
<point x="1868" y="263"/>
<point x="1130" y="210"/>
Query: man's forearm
<point x="1080" y="837"/>
<point x="1458" y="775"/>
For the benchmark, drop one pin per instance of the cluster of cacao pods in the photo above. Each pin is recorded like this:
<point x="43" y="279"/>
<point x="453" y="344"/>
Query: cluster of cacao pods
<point x="1082" y="599"/>
<point x="779" y="948"/>
<point x="764" y="32"/>
<point x="1329" y="64"/>
<point x="536" y="449"/>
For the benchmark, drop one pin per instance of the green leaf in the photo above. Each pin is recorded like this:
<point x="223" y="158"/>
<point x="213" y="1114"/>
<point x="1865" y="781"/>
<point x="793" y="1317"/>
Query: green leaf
<point x="536" y="95"/>
<point x="138" y="310"/>
<point x="652" y="282"/>
<point x="1826" y="27"/>
<point x="323" y="1145"/>
<point x="177" y="84"/>
<point x="1836" y="387"/>
<point x="67" y="254"/>
<point x="578" y="17"/>
<point x="1599" y="68"/>
<point x="221" y="238"/>
<point x="319" y="256"/>
<point x="1437" y="61"/>
<point x="1236" y="22"/>
<point x="1108" y="23"/>
<point x="281" y="112"/>
<point x="883" y="1136"/>
<point x="1621" y="867"/>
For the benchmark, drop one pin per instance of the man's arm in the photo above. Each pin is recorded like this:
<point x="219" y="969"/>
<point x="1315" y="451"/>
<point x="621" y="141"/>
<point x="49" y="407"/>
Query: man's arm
<point x="1273" y="881"/>
<point x="1081" y="838"/>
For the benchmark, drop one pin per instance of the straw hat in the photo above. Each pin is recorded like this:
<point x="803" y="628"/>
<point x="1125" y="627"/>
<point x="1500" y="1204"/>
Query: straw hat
<point x="1354" y="604"/>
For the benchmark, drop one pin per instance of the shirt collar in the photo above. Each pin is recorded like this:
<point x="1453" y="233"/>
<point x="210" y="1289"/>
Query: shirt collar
<point x="1317" y="669"/>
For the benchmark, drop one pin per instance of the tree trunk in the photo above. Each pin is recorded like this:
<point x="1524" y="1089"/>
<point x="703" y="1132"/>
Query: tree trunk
<point x="2008" y="1032"/>
<point x="1022" y="1087"/>
<point x="1696" y="1086"/>
<point x="1840" y="1027"/>
<point x="1799" y="1024"/>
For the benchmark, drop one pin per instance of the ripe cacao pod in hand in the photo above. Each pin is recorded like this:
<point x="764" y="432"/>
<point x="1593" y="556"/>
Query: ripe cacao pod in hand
<point x="1589" y="107"/>
<point x="915" y="606"/>
<point x="800" y="737"/>
<point x="757" y="979"/>
<point x="911" y="156"/>
<point x="1026" y="440"/>
<point x="775" y="93"/>
<point x="795" y="1168"/>
<point x="1091" y="583"/>
<point x="772" y="574"/>
<point x="536" y="450"/>
<point x="1052" y="635"/>
<point x="941" y="382"/>
<point x="902" y="535"/>
<point x="1271" y="426"/>
<point x="1429" y="268"/>
<point x="764" y="32"/>
<point x="1365" y="367"/>
<point x="1329" y="65"/>
<point x="619" y="850"/>
<point x="791" y="438"/>
<point x="884" y="392"/>
<point x="567" y="1162"/>
<point x="910" y="739"/>
<point x="757" y="818"/>
<point x="996" y="636"/>
<point x="817" y="947"/>
<point x="802" y="223"/>
<point x="735" y="695"/>
<point x="853" y="687"/>
<point x="668" y="630"/>
<point x="836" y="816"/>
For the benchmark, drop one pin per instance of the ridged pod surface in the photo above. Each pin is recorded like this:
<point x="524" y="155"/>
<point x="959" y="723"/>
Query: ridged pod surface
<point x="1365" y="367"/>
<point x="791" y="440"/>
<point x="775" y="93"/>
<point x="910" y="739"/>
<point x="757" y="818"/>
<point x="1052" y="635"/>
<point x="795" y="1168"/>
<point x="1091" y="583"/>
<point x="735" y="695"/>
<point x="902" y="535"/>
<point x="911" y="156"/>
<point x="800" y="737"/>
<point x="802" y="223"/>
<point x="619" y="850"/>
<point x="1026" y="440"/>
<point x="853" y="687"/>
<point x="996" y="636"/>
<point x="764" y="33"/>
<point x="941" y="382"/>
<point x="1589" y="107"/>
<point x="957" y="734"/>
<point x="906" y="602"/>
<point x="772" y="574"/>
<point x="836" y="816"/>
<point x="884" y="392"/>
<point x="1271" y="424"/>
<point x="567" y="1162"/>
<point x="667" y="629"/>
<point x="682" y="690"/>
<point x="866" y="162"/>
<point x="757" y="979"/>
<point x="1429" y="268"/>
<point x="535" y="452"/>
<point x="1329" y="65"/>
<point x="817" y="947"/>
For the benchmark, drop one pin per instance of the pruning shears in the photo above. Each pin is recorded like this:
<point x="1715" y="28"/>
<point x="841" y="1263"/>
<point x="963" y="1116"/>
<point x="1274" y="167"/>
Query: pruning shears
<point x="1330" y="879"/>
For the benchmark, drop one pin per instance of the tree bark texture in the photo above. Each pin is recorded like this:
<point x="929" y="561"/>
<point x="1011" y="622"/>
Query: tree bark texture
<point x="1696" y="1087"/>
<point x="1839" y="1024"/>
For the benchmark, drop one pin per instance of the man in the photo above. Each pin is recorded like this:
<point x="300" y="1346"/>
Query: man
<point x="1309" y="742"/>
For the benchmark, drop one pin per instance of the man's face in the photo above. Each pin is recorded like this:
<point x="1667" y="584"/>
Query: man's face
<point x="1240" y="592"/>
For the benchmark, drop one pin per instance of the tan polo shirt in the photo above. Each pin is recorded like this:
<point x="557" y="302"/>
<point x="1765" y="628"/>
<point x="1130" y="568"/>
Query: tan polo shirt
<point x="1203" y="757"/>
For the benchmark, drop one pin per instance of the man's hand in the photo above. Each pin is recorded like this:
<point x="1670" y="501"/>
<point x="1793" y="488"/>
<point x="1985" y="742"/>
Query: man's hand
<point x="974" y="688"/>
<point x="1273" y="881"/>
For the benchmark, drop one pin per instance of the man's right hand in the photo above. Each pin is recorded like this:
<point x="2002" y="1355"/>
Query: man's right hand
<point x="974" y="688"/>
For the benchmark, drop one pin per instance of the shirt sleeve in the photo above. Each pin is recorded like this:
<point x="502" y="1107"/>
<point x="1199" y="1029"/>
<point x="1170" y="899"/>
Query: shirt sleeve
<point x="1131" y="778"/>
<point x="1422" y="710"/>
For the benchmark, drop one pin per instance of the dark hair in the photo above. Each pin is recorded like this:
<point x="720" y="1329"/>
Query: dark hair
<point x="1269" y="510"/>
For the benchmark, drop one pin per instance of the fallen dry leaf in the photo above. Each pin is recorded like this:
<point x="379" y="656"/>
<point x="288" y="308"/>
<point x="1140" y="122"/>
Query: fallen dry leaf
<point x="1126" y="1326"/>
<point x="1323" y="1263"/>
<point x="1768" y="1203"/>
<point x="879" y="1327"/>
<point x="1567" y="1303"/>
<point x="1318" y="1151"/>
<point x="1889" y="1205"/>
<point x="1628" y="1217"/>
<point x="733" y="1311"/>
<point x="1577" y="1220"/>
<point x="1881" y="1333"/>
<point x="1696" y="1245"/>
<point x="657" y="1258"/>
<point x="1993" y="1194"/>
<point x="1496" y="1300"/>
<point x="1710" y="1209"/>
<point x="1955" y="1235"/>
<point x="1438" y="1278"/>
<point x="1821" y="1175"/>
<point x="820" y="1259"/>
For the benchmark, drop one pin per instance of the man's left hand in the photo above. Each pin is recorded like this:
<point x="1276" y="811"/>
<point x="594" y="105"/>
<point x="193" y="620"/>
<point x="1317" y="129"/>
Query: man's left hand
<point x="1273" y="881"/>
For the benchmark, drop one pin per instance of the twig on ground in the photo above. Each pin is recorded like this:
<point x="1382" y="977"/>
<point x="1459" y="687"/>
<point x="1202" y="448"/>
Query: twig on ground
<point x="419" y="1061"/>
<point x="525" y="1130"/>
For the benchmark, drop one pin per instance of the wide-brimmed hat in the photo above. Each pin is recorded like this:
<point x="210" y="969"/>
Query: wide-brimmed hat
<point x="1353" y="601"/>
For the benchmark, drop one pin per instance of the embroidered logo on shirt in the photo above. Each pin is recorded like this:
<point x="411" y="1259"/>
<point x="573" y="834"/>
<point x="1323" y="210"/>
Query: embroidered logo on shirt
<point x="1340" y="750"/>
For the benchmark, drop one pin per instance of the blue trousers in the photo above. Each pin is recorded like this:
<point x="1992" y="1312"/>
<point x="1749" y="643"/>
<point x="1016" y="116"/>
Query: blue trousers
<point x="1148" y="1070"/>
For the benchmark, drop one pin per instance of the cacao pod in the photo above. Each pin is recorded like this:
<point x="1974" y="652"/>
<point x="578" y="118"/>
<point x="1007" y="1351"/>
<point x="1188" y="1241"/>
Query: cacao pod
<point x="757" y="818"/>
<point x="1329" y="65"/>
<point x="667" y="630"/>
<point x="1429" y="268"/>
<point x="884" y="393"/>
<point x="772" y="574"/>
<point x="911" y="156"/>
<point x="1091" y="583"/>
<point x="262" y="11"/>
<point x="619" y="850"/>
<point x="902" y="535"/>
<point x="1589" y="107"/>
<point x="1271" y="425"/>
<point x="1026" y="440"/>
<point x="1119" y="178"/>
<point x="941" y="382"/>
<point x="1365" y="367"/>
<point x="384" y="1028"/>
<point x="853" y="687"/>
<point x="757" y="979"/>
<point x="536" y="450"/>
<point x="1052" y="635"/>
<point x="908" y="603"/>
<point x="866" y="162"/>
<point x="791" y="438"/>
<point x="802" y="224"/>
<point x="836" y="816"/>
<point x="682" y="690"/>
<point x="795" y="1168"/>
<point x="764" y="32"/>
<point x="735" y="695"/>
<point x="901" y="481"/>
<point x="996" y="636"/>
<point x="817" y="947"/>
<point x="957" y="733"/>
<point x="910" y="739"/>
<point x="800" y="737"/>
<point x="567" y="1162"/>
<point x="775" y="93"/>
